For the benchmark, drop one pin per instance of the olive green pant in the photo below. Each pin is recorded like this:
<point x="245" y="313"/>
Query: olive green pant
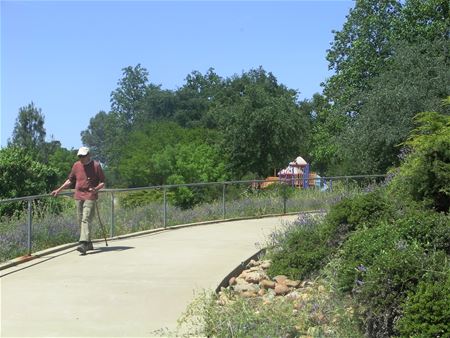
<point x="85" y="213"/>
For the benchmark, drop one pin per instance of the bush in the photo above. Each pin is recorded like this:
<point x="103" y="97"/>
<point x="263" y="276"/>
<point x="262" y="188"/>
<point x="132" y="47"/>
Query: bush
<point x="380" y="265"/>
<point x="426" y="312"/>
<point x="425" y="172"/>
<point x="140" y="198"/>
<point x="302" y="251"/>
<point x="363" y="209"/>
<point x="21" y="175"/>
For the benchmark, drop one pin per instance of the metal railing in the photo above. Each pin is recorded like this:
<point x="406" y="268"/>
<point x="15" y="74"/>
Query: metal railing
<point x="217" y="196"/>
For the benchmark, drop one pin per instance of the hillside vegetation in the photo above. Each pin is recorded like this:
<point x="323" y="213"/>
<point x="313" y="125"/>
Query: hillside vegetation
<point x="379" y="261"/>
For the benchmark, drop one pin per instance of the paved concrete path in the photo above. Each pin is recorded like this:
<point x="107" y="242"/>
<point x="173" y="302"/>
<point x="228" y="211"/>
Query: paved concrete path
<point x="130" y="289"/>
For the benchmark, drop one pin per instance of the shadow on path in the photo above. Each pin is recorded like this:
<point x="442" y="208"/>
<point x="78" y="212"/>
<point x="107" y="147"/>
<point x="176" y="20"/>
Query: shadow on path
<point x="108" y="249"/>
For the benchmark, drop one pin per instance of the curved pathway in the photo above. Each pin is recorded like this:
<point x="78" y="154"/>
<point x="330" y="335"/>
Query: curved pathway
<point x="132" y="288"/>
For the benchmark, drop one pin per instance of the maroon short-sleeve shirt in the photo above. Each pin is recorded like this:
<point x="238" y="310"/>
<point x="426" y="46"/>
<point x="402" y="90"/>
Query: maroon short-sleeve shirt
<point x="86" y="177"/>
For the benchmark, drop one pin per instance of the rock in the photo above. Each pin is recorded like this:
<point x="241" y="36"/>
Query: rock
<point x="261" y="292"/>
<point x="280" y="279"/>
<point x="232" y="281"/>
<point x="292" y="283"/>
<point x="265" y="264"/>
<point x="253" y="263"/>
<point x="246" y="287"/>
<point x="255" y="268"/>
<point x="281" y="289"/>
<point x="240" y="280"/>
<point x="255" y="277"/>
<point x="267" y="284"/>
<point x="248" y="294"/>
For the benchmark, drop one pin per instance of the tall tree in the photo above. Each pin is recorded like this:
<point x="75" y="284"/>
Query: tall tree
<point x="261" y="124"/>
<point x="103" y="135"/>
<point x="29" y="131"/>
<point x="359" y="51"/>
<point x="416" y="79"/>
<point x="127" y="99"/>
<point x="196" y="98"/>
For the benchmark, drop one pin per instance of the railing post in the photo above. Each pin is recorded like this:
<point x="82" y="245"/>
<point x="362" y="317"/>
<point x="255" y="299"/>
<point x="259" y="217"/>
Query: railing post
<point x="284" y="198"/>
<point x="223" y="201"/>
<point x="30" y="221"/>
<point x="112" y="215"/>
<point x="165" y="208"/>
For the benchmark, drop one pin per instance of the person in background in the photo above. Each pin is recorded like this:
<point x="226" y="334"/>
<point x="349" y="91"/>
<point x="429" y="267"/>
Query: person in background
<point x="87" y="177"/>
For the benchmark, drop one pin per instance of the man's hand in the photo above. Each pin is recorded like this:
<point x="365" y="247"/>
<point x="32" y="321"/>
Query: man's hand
<point x="64" y="186"/>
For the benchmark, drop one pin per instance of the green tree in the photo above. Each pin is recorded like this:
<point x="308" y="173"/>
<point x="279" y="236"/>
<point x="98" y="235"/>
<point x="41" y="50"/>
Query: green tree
<point x="157" y="104"/>
<point x="29" y="131"/>
<point x="416" y="79"/>
<point x="103" y="135"/>
<point x="127" y="99"/>
<point x="359" y="51"/>
<point x="261" y="123"/>
<point x="424" y="21"/>
<point x="149" y="154"/>
<point x="62" y="159"/>
<point x="21" y="175"/>
<point x="196" y="99"/>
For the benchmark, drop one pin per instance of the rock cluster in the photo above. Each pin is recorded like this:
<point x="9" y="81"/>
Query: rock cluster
<point x="254" y="282"/>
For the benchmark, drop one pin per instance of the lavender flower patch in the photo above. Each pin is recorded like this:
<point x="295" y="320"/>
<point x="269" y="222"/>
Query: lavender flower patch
<point x="13" y="240"/>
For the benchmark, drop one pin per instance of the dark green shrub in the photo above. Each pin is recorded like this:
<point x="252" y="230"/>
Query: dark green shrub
<point x="430" y="229"/>
<point x="425" y="172"/>
<point x="302" y="250"/>
<point x="140" y="198"/>
<point x="385" y="285"/>
<point x="380" y="265"/>
<point x="426" y="312"/>
<point x="361" y="210"/>
<point x="360" y="250"/>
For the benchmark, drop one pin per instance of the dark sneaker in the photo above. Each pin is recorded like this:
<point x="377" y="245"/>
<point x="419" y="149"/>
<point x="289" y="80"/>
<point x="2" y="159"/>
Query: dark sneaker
<point x="89" y="246"/>
<point x="82" y="248"/>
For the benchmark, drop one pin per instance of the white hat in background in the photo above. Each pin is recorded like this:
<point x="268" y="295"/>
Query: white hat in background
<point x="83" y="151"/>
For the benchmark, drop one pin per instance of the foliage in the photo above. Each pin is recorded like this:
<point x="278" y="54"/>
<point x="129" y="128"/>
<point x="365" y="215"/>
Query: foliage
<point x="261" y="124"/>
<point x="21" y="175"/>
<point x="140" y="198"/>
<point x="197" y="98"/>
<point x="391" y="61"/>
<point x="426" y="312"/>
<point x="359" y="51"/>
<point x="127" y="99"/>
<point x="415" y="79"/>
<point x="165" y="153"/>
<point x="302" y="251"/>
<point x="29" y="131"/>
<point x="321" y="313"/>
<point x="425" y="173"/>
<point x="62" y="160"/>
<point x="103" y="136"/>
<point x="241" y="318"/>
<point x="360" y="210"/>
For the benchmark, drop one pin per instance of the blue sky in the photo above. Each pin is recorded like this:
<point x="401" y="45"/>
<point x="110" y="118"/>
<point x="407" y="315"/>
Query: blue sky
<point x="67" y="56"/>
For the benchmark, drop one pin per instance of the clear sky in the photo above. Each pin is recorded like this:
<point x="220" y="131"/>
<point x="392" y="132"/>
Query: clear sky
<point x="67" y="56"/>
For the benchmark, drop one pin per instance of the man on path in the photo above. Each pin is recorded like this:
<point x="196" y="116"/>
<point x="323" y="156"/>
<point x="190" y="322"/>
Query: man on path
<point x="88" y="178"/>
